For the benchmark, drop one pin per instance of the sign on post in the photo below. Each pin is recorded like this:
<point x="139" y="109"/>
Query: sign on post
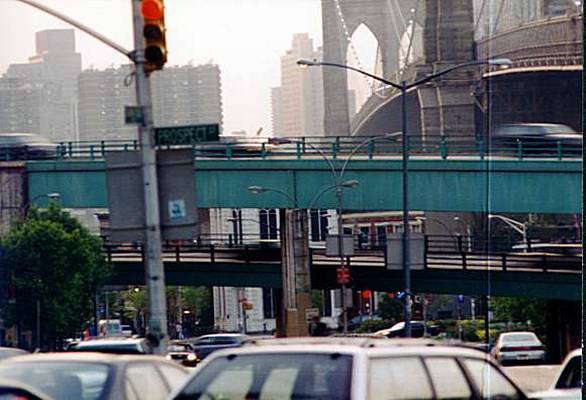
<point x="395" y="251"/>
<point x="133" y="115"/>
<point x="343" y="275"/>
<point x="177" y="202"/>
<point x="186" y="135"/>
<point x="333" y="246"/>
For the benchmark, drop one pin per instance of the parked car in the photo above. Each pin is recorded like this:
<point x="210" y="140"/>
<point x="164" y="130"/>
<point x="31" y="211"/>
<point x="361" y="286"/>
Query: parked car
<point x="182" y="352"/>
<point x="25" y="146"/>
<point x="204" y="345"/>
<point x="518" y="347"/>
<point x="537" y="138"/>
<point x="7" y="352"/>
<point x="418" y="330"/>
<point x="115" y="346"/>
<point x="14" y="390"/>
<point x="93" y="376"/>
<point x="355" y="322"/>
<point x="568" y="383"/>
<point x="348" y="368"/>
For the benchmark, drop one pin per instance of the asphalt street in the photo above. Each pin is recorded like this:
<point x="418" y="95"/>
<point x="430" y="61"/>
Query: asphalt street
<point x="533" y="378"/>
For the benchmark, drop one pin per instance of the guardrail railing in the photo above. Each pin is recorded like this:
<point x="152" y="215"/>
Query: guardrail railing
<point x="443" y="252"/>
<point x="443" y="147"/>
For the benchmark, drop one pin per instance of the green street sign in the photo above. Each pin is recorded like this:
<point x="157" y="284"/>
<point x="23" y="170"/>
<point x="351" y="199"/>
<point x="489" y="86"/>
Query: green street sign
<point x="184" y="135"/>
<point x="133" y="115"/>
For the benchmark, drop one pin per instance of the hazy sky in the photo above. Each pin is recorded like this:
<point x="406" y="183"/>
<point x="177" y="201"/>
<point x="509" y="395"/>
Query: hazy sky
<point x="245" y="37"/>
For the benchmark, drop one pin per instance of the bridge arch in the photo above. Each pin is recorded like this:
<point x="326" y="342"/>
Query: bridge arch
<point x="341" y="18"/>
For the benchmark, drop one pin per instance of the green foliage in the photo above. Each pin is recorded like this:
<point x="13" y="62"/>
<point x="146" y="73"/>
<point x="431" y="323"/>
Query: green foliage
<point x="371" y="326"/>
<point x="521" y="309"/>
<point x="50" y="258"/>
<point x="390" y="309"/>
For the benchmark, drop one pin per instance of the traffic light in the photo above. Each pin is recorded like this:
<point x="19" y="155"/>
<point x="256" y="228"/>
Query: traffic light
<point x="153" y="31"/>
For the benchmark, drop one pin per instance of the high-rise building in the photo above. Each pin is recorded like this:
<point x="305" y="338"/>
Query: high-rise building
<point x="277" y="111"/>
<point x="48" y="85"/>
<point x="302" y="107"/>
<point x="297" y="106"/>
<point x="184" y="95"/>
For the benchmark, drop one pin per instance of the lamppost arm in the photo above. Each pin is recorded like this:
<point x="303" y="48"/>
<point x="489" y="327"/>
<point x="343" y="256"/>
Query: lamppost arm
<point x="80" y="26"/>
<point x="516" y="225"/>
<point x="259" y="189"/>
<point x="304" y="62"/>
<point x="358" y="147"/>
<point x="445" y="71"/>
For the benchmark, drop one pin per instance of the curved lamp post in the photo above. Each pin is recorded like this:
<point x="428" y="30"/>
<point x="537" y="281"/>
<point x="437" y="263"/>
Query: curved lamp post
<point x="517" y="226"/>
<point x="51" y="196"/>
<point x="403" y="86"/>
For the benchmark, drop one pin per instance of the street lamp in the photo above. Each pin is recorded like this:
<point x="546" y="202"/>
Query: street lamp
<point x="51" y="196"/>
<point x="403" y="86"/>
<point x="517" y="226"/>
<point x="339" y="185"/>
<point x="468" y="232"/>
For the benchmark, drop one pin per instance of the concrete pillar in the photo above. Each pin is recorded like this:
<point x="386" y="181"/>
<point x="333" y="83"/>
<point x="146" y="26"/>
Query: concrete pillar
<point x="13" y="193"/>
<point x="295" y="271"/>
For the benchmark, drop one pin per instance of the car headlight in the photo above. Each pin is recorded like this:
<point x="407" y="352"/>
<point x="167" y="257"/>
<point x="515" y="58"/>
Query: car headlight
<point x="168" y="357"/>
<point x="191" y="357"/>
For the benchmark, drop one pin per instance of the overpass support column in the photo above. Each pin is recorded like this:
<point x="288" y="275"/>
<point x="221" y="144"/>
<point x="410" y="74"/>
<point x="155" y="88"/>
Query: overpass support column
<point x="295" y="271"/>
<point x="13" y="193"/>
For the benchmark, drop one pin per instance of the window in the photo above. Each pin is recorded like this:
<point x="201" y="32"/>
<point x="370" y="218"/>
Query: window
<point x="273" y="376"/>
<point x="146" y="381"/>
<point x="223" y="340"/>
<point x="268" y="303"/>
<point x="268" y="224"/>
<point x="381" y="235"/>
<point x="571" y="377"/>
<point x="448" y="379"/>
<point x="237" y="225"/>
<point x="489" y="381"/>
<point x="398" y="378"/>
<point x="319" y="224"/>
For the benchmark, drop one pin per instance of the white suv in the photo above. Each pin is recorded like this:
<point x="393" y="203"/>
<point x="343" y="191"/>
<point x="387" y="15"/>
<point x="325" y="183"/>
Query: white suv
<point x="349" y="368"/>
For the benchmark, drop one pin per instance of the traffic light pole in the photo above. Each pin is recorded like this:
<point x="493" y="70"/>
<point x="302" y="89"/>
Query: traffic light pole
<point x="154" y="271"/>
<point x="155" y="274"/>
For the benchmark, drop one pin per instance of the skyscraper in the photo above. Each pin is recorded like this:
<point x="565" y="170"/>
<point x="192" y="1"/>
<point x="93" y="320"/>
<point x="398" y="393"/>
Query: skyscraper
<point x="48" y="84"/>
<point x="302" y="107"/>
<point x="184" y="95"/>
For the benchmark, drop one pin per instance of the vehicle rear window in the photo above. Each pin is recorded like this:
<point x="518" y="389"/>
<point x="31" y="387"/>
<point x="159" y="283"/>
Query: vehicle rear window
<point x="273" y="376"/>
<point x="61" y="380"/>
<point x="520" y="337"/>
<point x="129" y="348"/>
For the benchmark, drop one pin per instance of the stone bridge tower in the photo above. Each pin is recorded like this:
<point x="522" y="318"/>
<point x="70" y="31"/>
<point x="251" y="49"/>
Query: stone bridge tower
<point x="447" y="104"/>
<point x="376" y="15"/>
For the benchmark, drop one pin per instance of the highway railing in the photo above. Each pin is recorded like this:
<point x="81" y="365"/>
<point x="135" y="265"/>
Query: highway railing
<point x="443" y="147"/>
<point x="440" y="252"/>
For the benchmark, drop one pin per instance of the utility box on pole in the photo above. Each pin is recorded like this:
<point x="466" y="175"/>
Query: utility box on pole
<point x="178" y="211"/>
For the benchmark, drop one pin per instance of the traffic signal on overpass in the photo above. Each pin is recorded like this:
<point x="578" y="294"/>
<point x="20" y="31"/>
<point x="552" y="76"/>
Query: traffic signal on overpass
<point x="153" y="30"/>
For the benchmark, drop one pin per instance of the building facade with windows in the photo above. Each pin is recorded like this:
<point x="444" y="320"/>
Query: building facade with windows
<point x="186" y="95"/>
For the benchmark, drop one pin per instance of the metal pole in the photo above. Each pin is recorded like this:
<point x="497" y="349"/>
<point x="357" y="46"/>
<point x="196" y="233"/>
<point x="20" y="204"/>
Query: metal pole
<point x="339" y="195"/>
<point x="38" y="324"/>
<point x="107" y="313"/>
<point x="155" y="274"/>
<point x="405" y="246"/>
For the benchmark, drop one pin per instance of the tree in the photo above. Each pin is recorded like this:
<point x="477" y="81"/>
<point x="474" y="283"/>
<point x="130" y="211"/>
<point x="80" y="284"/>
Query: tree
<point x="390" y="308"/>
<point x="53" y="265"/>
<point x="521" y="309"/>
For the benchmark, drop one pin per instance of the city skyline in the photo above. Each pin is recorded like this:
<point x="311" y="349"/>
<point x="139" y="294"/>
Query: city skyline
<point x="232" y="35"/>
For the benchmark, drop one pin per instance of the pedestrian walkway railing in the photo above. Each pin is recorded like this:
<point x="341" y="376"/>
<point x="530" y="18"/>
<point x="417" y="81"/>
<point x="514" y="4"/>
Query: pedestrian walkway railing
<point x="440" y="252"/>
<point x="303" y="148"/>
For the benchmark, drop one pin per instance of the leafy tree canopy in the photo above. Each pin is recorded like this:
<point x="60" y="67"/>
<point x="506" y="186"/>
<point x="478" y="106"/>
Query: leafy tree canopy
<point x="51" y="260"/>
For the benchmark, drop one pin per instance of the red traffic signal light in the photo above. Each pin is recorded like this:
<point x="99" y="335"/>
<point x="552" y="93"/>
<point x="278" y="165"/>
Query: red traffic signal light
<point x="153" y="28"/>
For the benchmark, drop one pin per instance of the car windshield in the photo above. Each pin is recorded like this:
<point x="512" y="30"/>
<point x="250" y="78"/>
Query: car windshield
<point x="571" y="377"/>
<point x="61" y="380"/>
<point x="520" y="337"/>
<point x="273" y="376"/>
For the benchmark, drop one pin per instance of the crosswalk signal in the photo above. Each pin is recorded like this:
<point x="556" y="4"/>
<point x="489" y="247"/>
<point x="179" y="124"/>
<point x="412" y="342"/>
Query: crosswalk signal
<point x="153" y="28"/>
